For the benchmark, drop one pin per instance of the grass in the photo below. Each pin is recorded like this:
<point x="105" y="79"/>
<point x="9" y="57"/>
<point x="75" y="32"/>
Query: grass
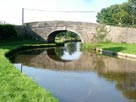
<point x="16" y="86"/>
<point x="116" y="47"/>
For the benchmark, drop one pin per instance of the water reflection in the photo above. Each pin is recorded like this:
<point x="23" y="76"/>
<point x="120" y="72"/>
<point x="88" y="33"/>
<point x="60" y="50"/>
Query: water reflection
<point x="70" y="51"/>
<point x="88" y="78"/>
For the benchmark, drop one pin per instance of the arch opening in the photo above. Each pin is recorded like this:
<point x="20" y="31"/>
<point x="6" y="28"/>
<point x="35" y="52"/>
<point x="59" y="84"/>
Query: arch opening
<point x="63" y="36"/>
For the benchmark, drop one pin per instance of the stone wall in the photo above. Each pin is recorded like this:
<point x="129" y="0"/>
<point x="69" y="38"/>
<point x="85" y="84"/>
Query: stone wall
<point x="122" y="34"/>
<point x="86" y="31"/>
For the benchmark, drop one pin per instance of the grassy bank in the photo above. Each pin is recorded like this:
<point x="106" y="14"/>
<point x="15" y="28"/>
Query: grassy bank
<point x="116" y="47"/>
<point x="16" y="86"/>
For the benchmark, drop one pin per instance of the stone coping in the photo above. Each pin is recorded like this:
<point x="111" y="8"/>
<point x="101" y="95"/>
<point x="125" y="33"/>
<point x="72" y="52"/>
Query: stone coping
<point x="117" y="54"/>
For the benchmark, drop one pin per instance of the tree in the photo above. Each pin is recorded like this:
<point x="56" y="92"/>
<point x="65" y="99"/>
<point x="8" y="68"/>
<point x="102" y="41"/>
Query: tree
<point x="121" y="18"/>
<point x="68" y="35"/>
<point x="133" y="1"/>
<point x="122" y="14"/>
<point x="133" y="10"/>
<point x="105" y="16"/>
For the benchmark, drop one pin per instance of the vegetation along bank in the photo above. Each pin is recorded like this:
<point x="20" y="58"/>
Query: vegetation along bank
<point x="16" y="86"/>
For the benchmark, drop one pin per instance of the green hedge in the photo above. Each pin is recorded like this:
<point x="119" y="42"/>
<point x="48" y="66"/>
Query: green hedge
<point x="7" y="31"/>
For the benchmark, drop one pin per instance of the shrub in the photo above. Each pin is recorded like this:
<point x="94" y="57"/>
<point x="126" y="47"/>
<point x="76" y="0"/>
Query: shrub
<point x="7" y="31"/>
<point x="101" y="34"/>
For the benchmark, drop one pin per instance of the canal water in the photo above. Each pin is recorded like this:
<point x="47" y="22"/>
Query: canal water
<point x="72" y="75"/>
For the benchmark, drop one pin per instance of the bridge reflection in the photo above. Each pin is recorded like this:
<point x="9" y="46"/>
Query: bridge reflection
<point x="53" y="55"/>
<point x="121" y="72"/>
<point x="87" y="62"/>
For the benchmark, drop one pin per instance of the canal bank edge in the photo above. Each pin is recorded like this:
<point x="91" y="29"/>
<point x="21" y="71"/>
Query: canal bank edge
<point x="11" y="53"/>
<point x="6" y="64"/>
<point x="117" y="54"/>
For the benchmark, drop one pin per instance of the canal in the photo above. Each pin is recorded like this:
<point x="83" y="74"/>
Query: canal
<point x="73" y="75"/>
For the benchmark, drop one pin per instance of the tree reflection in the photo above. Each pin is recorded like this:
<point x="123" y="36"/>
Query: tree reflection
<point x="70" y="47"/>
<point x="128" y="85"/>
<point x="66" y="53"/>
<point x="125" y="82"/>
<point x="59" y="51"/>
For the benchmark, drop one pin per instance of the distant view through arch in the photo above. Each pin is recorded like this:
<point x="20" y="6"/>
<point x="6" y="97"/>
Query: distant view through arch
<point x="63" y="36"/>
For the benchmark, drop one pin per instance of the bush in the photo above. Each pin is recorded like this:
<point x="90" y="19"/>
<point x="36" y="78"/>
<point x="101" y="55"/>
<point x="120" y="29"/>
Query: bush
<point x="7" y="31"/>
<point x="101" y="34"/>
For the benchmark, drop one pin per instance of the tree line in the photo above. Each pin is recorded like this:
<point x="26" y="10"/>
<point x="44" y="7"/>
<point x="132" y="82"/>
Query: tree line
<point x="7" y="32"/>
<point x="68" y="35"/>
<point x="119" y="14"/>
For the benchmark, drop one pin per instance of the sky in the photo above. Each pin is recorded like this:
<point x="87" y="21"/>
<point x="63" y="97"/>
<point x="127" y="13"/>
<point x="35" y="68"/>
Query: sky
<point x="11" y="10"/>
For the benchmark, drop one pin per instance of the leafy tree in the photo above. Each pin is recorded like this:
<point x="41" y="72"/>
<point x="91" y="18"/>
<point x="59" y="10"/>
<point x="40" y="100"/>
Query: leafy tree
<point x="105" y="16"/>
<point x="122" y="14"/>
<point x="133" y="10"/>
<point x="68" y="35"/>
<point x="121" y="18"/>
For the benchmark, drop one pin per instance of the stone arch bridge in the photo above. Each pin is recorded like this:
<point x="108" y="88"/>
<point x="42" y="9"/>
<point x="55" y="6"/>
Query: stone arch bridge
<point x="47" y="30"/>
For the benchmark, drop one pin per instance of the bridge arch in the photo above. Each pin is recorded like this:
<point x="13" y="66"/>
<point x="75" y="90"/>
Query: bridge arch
<point x="51" y="36"/>
<point x="47" y="30"/>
